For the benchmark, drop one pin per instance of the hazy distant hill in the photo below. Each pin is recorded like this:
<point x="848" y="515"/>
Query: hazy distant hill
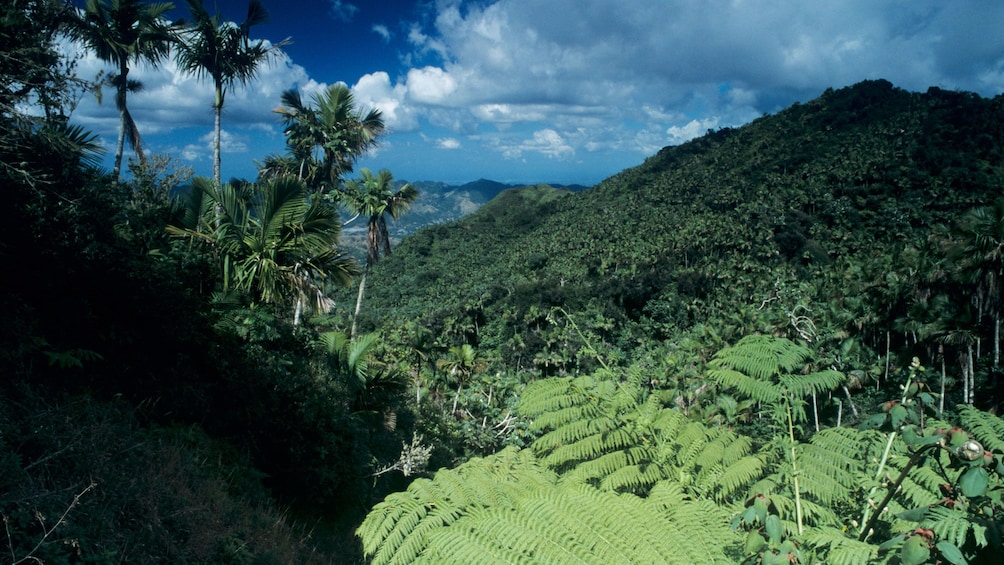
<point x="437" y="203"/>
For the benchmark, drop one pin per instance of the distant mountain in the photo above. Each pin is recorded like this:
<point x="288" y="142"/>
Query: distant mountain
<point x="437" y="203"/>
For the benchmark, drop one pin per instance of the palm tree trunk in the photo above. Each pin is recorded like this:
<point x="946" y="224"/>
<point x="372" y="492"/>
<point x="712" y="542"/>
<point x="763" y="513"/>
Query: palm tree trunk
<point x="120" y="102"/>
<point x="217" y="134"/>
<point x="456" y="397"/>
<point x="297" y="312"/>
<point x="941" y="399"/>
<point x="972" y="378"/>
<point x="888" y="348"/>
<point x="359" y="303"/>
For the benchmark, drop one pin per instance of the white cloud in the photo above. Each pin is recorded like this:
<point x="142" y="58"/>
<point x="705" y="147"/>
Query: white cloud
<point x="375" y="91"/>
<point x="229" y="142"/>
<point x="172" y="99"/>
<point x="694" y="128"/>
<point x="448" y="143"/>
<point x="342" y="11"/>
<point x="430" y="85"/>
<point x="546" y="142"/>
<point x="382" y="31"/>
<point x="569" y="64"/>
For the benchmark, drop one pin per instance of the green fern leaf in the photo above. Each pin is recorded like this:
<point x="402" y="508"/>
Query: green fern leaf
<point x="987" y="428"/>
<point x="954" y="526"/>
<point x="841" y="550"/>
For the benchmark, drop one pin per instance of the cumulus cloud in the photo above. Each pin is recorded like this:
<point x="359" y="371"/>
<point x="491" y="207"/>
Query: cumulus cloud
<point x="448" y="143"/>
<point x="430" y="85"/>
<point x="564" y="77"/>
<point x="172" y="99"/>
<point x="376" y="91"/>
<point x="547" y="142"/>
<point x="675" y="63"/>
<point x="692" y="129"/>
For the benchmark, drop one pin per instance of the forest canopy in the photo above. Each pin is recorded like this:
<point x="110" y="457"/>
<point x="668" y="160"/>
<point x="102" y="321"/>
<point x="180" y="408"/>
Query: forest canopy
<point x="777" y="343"/>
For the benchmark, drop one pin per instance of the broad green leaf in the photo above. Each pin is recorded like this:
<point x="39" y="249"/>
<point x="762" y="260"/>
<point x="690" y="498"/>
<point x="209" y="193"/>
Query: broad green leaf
<point x="915" y="551"/>
<point x="773" y="529"/>
<point x="974" y="482"/>
<point x="951" y="553"/>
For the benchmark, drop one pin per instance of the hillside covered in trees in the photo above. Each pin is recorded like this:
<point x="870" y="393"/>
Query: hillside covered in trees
<point x="777" y="343"/>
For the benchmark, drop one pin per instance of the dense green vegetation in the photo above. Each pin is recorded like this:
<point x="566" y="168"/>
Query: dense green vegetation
<point x="774" y="344"/>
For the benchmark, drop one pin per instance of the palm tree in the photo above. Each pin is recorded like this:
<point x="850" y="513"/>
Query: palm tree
<point x="223" y="51"/>
<point x="273" y="244"/>
<point x="460" y="363"/>
<point x="331" y="126"/>
<point x="120" y="31"/>
<point x="979" y="253"/>
<point x="372" y="198"/>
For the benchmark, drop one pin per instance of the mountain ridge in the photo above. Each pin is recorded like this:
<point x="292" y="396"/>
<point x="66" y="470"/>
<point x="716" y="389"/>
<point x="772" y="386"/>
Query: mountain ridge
<point x="853" y="177"/>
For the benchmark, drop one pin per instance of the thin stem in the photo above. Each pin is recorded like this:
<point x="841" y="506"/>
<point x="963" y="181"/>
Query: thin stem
<point x="914" y="459"/>
<point x="794" y="469"/>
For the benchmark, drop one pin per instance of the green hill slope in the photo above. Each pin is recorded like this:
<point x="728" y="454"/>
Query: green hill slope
<point x="825" y="195"/>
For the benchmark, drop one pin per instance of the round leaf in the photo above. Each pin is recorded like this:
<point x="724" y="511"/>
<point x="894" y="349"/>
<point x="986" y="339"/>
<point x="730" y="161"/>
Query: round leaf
<point x="951" y="553"/>
<point x="773" y="529"/>
<point x="754" y="543"/>
<point x="898" y="415"/>
<point x="915" y="551"/>
<point x="974" y="482"/>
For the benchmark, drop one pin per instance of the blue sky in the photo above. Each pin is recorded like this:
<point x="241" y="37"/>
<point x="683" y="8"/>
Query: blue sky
<point x="560" y="91"/>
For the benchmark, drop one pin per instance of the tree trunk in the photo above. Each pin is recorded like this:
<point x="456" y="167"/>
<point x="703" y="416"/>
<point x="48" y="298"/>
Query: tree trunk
<point x="217" y="134"/>
<point x="297" y="311"/>
<point x="120" y="103"/>
<point x="944" y="376"/>
<point x="456" y="397"/>
<point x="888" y="347"/>
<point x="972" y="378"/>
<point x="384" y="237"/>
<point x="359" y="303"/>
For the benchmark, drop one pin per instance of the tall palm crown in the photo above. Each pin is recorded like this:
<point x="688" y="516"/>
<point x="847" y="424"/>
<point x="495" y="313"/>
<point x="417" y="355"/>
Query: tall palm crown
<point x="117" y="32"/>
<point x="372" y="197"/>
<point x="275" y="245"/>
<point x="223" y="51"/>
<point x="333" y="126"/>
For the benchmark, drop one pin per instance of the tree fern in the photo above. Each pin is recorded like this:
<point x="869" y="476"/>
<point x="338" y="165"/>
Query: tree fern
<point x="395" y="530"/>
<point x="955" y="526"/>
<point x="617" y="436"/>
<point x="770" y="370"/>
<point x="842" y="550"/>
<point x="570" y="522"/>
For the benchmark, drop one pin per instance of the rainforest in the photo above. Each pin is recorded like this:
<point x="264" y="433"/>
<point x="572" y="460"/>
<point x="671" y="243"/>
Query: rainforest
<point x="775" y="343"/>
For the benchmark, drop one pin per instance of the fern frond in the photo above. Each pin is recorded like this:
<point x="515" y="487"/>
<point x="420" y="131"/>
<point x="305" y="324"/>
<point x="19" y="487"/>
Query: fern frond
<point x="842" y="550"/>
<point x="763" y="357"/>
<point x="751" y="387"/>
<point x="827" y="473"/>
<point x="987" y="428"/>
<point x="813" y="383"/>
<point x="954" y="526"/>
<point x="548" y="395"/>
<point x="633" y="478"/>
<point x="737" y="477"/>
<point x="396" y="530"/>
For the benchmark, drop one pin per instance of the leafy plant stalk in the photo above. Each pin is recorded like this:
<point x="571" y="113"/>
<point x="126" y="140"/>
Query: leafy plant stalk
<point x="914" y="459"/>
<point x="865" y="518"/>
